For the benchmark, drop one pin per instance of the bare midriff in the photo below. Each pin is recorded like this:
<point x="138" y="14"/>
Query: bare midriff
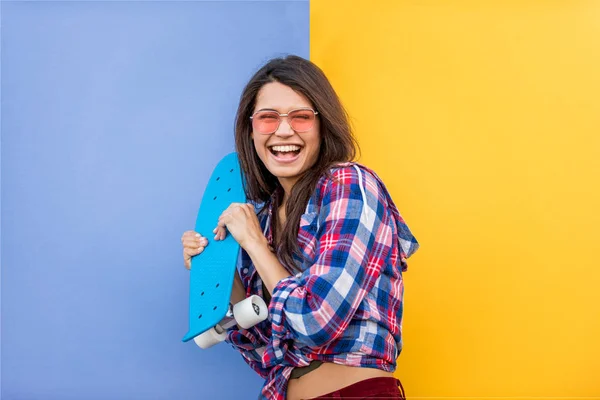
<point x="328" y="378"/>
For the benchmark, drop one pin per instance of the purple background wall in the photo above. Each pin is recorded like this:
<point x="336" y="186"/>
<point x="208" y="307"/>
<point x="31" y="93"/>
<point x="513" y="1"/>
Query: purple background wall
<point x="113" y="114"/>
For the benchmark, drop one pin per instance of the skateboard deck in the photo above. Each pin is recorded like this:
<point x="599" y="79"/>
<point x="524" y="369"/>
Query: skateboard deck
<point x="213" y="271"/>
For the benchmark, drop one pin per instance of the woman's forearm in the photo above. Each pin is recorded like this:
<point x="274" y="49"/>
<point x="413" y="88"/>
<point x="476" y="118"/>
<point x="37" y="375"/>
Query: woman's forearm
<point x="267" y="265"/>
<point x="238" y="292"/>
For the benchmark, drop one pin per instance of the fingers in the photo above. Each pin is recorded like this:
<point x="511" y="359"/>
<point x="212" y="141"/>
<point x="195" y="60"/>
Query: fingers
<point x="191" y="235"/>
<point x="230" y="214"/>
<point x="189" y="252"/>
<point x="194" y="247"/>
<point x="193" y="244"/>
<point x="220" y="232"/>
<point x="234" y="211"/>
<point x="236" y="208"/>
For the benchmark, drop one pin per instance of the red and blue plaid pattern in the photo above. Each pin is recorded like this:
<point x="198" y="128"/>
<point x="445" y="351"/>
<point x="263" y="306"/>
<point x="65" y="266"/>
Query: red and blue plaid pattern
<point x="346" y="304"/>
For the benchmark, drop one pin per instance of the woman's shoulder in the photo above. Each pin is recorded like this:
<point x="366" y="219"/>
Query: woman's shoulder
<point x="350" y="174"/>
<point x="366" y="187"/>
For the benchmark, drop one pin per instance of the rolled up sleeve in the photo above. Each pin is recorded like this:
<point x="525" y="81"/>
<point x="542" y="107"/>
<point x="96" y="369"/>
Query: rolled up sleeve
<point x="353" y="240"/>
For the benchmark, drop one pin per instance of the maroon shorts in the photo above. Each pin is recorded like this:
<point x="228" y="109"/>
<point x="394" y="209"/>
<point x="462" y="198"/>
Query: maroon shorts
<point x="373" y="388"/>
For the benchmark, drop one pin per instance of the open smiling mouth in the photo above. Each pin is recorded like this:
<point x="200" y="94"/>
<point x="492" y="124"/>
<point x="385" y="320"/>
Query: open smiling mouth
<point x="289" y="152"/>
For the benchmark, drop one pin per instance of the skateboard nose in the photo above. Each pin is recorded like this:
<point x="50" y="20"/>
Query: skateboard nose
<point x="188" y="336"/>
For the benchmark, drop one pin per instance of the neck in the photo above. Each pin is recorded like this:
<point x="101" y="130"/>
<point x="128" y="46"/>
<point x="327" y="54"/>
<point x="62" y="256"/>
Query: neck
<point x="287" y="185"/>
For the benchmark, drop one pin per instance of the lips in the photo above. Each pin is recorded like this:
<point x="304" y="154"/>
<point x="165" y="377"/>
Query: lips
<point x="285" y="154"/>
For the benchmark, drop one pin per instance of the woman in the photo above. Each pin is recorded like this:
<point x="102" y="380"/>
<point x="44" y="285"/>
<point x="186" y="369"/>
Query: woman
<point x="322" y="242"/>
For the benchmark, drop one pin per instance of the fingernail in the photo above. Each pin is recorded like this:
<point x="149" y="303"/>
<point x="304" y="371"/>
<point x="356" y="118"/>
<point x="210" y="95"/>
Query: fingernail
<point x="198" y="235"/>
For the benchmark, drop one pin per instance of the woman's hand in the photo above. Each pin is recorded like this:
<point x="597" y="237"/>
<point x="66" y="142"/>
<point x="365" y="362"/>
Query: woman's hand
<point x="193" y="244"/>
<point x="240" y="220"/>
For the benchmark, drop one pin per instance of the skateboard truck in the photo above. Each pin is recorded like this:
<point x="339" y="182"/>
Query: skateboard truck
<point x="245" y="314"/>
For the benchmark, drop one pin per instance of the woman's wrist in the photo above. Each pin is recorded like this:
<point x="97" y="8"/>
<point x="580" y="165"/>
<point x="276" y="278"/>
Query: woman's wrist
<point x="267" y="264"/>
<point x="257" y="246"/>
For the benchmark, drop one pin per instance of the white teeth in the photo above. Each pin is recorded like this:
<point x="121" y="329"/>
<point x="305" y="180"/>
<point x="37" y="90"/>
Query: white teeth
<point x="284" y="149"/>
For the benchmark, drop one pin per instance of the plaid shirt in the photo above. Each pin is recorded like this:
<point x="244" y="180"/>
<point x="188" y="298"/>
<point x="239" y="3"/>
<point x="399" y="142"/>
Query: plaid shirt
<point x="346" y="305"/>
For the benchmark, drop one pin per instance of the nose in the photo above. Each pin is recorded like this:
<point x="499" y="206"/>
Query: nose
<point x="284" y="128"/>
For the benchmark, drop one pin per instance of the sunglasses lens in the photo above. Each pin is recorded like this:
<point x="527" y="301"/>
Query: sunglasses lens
<point x="265" y="122"/>
<point x="302" y="120"/>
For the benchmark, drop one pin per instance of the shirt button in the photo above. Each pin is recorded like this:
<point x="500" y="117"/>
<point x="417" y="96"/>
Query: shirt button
<point x="245" y="271"/>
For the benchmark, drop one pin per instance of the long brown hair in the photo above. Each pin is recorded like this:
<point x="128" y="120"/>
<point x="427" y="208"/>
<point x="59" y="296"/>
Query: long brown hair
<point x="337" y="143"/>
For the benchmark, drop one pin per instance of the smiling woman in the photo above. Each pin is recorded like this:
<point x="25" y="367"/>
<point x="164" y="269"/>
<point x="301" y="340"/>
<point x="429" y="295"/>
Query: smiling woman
<point x="288" y="148"/>
<point x="266" y="121"/>
<point x="322" y="242"/>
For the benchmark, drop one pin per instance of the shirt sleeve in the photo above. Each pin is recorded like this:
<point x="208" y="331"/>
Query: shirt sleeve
<point x="353" y="239"/>
<point x="249" y="346"/>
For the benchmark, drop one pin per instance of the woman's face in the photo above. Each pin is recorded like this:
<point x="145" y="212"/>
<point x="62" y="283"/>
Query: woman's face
<point x="286" y="153"/>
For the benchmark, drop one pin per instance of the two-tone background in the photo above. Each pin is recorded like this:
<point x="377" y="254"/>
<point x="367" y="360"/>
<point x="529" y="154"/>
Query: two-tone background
<point x="482" y="117"/>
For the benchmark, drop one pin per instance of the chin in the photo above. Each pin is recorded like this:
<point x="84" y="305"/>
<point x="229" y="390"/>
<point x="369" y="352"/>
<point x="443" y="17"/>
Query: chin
<point x="283" y="172"/>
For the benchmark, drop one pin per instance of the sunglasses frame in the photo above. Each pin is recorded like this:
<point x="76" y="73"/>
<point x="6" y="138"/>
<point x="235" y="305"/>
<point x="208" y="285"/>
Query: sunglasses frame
<point x="286" y="115"/>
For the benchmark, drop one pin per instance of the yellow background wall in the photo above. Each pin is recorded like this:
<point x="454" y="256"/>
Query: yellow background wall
<point x="483" y="118"/>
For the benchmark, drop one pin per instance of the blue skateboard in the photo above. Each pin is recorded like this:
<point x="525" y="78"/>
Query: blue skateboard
<point x="213" y="271"/>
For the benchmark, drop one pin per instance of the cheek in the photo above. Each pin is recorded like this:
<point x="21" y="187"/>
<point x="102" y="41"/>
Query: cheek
<point x="315" y="147"/>
<point x="315" y="141"/>
<point x="259" y="147"/>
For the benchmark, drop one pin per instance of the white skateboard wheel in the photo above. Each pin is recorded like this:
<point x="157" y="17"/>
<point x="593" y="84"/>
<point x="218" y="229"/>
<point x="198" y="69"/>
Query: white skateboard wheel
<point x="250" y="311"/>
<point x="211" y="337"/>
